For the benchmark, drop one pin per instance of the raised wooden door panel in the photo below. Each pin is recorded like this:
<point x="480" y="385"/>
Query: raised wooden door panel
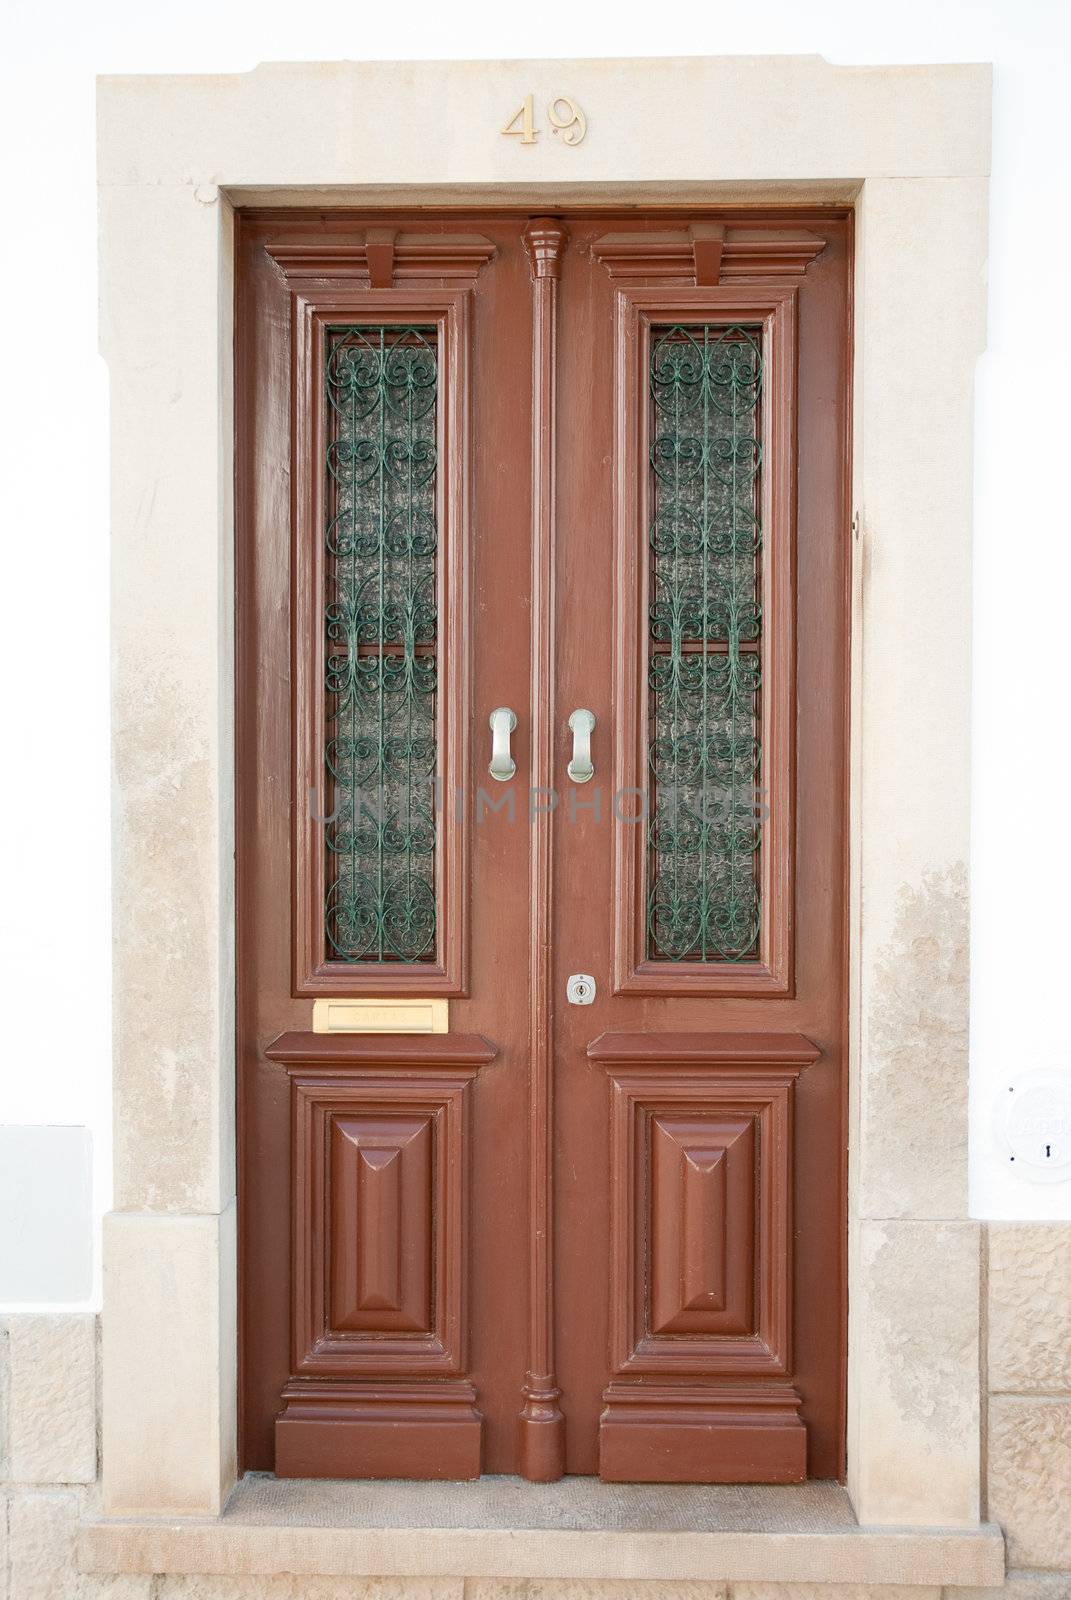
<point x="378" y="1199"/>
<point x="380" y="1165"/>
<point x="380" y="1181"/>
<point x="701" y="1253"/>
<point x="697" y="1223"/>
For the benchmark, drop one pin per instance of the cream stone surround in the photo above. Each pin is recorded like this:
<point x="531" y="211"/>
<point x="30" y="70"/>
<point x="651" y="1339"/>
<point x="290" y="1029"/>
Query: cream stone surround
<point x="909" y="148"/>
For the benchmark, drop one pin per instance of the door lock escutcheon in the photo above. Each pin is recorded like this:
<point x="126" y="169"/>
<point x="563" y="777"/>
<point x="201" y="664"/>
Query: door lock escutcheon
<point x="580" y="990"/>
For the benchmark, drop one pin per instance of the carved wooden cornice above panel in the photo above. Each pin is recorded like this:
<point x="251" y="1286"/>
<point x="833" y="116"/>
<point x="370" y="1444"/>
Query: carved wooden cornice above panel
<point x="710" y="253"/>
<point x="384" y="258"/>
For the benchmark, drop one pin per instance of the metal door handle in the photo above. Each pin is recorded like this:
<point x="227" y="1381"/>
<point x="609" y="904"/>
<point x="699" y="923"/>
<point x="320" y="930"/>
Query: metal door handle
<point x="580" y="768"/>
<point x="503" y="722"/>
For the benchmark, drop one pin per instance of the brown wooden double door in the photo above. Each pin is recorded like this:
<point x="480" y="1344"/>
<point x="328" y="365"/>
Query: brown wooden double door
<point x="496" y="472"/>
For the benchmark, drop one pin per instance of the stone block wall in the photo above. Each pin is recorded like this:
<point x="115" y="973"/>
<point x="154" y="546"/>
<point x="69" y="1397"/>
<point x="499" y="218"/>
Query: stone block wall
<point x="49" y="1383"/>
<point x="1028" y="1366"/>
<point x="49" y="1452"/>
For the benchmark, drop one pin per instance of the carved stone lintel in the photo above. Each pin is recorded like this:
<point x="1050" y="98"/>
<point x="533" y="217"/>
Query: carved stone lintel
<point x="544" y="239"/>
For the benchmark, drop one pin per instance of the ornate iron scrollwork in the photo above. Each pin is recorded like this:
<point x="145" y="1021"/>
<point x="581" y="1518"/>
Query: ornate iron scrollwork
<point x="380" y="620"/>
<point x="704" y="633"/>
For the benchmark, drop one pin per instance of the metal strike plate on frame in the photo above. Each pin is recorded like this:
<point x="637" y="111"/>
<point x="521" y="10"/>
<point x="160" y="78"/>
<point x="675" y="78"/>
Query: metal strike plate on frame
<point x="381" y="1016"/>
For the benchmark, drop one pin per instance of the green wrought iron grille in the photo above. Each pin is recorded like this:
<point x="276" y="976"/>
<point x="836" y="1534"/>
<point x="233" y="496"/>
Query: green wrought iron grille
<point x="380" y="661"/>
<point x="704" y="636"/>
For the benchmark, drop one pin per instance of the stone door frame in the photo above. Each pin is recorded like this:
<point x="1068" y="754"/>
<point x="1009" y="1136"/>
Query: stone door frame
<point x="908" y="148"/>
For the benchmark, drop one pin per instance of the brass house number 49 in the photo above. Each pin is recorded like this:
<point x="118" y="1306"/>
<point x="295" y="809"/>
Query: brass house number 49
<point x="564" y="115"/>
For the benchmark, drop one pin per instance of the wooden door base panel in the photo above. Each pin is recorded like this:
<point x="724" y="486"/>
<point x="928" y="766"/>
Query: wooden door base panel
<point x="671" y="1435"/>
<point x="404" y="1431"/>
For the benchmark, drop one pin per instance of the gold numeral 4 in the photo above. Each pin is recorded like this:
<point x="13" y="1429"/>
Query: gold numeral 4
<point x="527" y="132"/>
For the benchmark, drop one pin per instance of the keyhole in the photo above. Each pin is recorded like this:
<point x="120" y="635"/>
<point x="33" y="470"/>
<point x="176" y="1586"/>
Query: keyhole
<point x="1048" y="1151"/>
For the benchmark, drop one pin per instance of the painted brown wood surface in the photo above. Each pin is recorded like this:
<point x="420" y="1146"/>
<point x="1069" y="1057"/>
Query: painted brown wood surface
<point x="707" y="1076"/>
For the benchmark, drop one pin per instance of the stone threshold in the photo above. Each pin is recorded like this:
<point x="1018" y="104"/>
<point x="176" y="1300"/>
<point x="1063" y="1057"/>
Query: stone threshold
<point x="501" y="1527"/>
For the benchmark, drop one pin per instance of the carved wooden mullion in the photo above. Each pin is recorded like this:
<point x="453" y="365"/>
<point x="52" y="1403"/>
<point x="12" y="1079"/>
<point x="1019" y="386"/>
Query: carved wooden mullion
<point x="542" y="1423"/>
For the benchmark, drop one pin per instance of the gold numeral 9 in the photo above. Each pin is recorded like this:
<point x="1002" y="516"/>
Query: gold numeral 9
<point x="572" y="124"/>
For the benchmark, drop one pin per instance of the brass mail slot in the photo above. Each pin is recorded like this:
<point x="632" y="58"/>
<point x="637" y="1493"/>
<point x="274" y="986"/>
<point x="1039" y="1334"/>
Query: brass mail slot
<point x="380" y="1016"/>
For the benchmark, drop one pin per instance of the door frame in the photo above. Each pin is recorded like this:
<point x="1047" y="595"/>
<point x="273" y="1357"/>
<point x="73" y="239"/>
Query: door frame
<point x="908" y="149"/>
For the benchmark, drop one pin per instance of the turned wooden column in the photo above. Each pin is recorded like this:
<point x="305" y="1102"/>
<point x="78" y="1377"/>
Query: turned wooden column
<point x="542" y="1423"/>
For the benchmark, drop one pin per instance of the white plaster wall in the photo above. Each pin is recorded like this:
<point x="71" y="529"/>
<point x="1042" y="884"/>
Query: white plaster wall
<point x="54" y="830"/>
